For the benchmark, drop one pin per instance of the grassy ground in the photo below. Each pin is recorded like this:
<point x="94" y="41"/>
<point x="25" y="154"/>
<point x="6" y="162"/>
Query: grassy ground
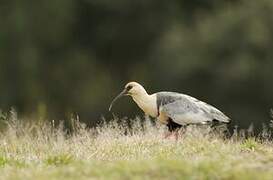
<point x="43" y="151"/>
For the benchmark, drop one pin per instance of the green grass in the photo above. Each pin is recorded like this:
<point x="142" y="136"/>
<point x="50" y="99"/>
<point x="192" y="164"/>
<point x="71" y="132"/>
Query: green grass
<point x="44" y="151"/>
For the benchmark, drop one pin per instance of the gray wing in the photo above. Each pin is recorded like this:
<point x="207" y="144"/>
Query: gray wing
<point x="184" y="109"/>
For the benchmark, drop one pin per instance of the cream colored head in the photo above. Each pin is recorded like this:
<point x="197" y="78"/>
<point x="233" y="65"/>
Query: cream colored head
<point x="133" y="89"/>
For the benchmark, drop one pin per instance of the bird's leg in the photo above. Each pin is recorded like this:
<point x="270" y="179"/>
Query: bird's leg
<point x="168" y="134"/>
<point x="173" y="129"/>
<point x="176" y="134"/>
<point x="179" y="131"/>
<point x="183" y="129"/>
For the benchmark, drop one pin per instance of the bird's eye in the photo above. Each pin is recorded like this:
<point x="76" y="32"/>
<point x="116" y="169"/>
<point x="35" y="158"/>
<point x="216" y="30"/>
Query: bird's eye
<point x="128" y="88"/>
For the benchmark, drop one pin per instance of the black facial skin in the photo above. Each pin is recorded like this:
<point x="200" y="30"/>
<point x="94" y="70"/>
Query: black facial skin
<point x="128" y="88"/>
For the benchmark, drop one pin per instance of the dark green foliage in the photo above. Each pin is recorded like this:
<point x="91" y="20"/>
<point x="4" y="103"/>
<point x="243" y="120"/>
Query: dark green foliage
<point x="65" y="56"/>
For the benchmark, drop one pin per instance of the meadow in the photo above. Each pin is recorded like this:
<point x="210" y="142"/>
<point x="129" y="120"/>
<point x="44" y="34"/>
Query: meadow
<point x="45" y="150"/>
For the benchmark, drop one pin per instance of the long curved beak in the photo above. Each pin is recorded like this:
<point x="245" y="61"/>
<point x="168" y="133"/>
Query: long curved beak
<point x="123" y="93"/>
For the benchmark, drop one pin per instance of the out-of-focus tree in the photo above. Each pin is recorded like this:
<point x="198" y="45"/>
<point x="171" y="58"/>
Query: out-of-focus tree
<point x="59" y="57"/>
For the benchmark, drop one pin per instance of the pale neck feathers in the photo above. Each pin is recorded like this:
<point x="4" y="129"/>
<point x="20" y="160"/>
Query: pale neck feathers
<point x="146" y="102"/>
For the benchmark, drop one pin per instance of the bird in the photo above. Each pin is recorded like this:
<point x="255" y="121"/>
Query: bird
<point x="175" y="110"/>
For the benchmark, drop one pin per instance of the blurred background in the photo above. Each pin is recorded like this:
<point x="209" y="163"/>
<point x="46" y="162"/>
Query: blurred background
<point x="74" y="56"/>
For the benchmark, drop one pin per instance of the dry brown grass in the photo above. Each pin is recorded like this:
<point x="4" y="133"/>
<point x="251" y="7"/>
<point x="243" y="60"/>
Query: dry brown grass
<point x="43" y="150"/>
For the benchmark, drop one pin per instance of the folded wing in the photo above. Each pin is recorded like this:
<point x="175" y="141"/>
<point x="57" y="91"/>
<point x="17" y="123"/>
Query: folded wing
<point x="185" y="109"/>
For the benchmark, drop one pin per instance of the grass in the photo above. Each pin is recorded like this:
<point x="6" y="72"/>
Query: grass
<point x="43" y="151"/>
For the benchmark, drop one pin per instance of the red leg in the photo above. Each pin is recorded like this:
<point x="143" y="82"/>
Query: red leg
<point x="176" y="135"/>
<point x="167" y="135"/>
